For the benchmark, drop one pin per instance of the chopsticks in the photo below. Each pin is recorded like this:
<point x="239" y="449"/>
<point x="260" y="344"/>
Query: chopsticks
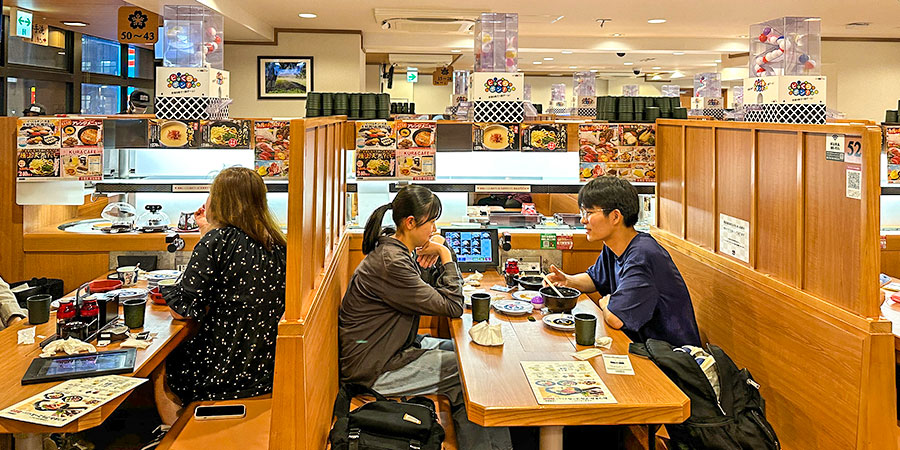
<point x="547" y="280"/>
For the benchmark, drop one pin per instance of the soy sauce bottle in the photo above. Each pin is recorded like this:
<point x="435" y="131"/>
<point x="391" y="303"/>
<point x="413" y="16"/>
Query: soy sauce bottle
<point x="64" y="314"/>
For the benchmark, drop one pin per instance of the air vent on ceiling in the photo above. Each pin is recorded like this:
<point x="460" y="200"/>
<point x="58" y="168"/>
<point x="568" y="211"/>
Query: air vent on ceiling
<point x="858" y="24"/>
<point x="426" y="21"/>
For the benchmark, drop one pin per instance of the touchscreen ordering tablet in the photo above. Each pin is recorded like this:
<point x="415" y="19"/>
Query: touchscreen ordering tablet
<point x="476" y="249"/>
<point x="85" y="365"/>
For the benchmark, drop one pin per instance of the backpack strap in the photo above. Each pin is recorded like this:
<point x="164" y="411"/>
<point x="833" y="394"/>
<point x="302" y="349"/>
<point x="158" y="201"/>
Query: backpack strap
<point x="639" y="349"/>
<point x="345" y="396"/>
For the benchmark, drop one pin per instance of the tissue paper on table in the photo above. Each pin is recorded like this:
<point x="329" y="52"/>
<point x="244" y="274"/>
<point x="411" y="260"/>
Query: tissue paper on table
<point x="604" y="342"/>
<point x="484" y="334"/>
<point x="132" y="342"/>
<point x="473" y="279"/>
<point x="71" y="346"/>
<point x="26" y="336"/>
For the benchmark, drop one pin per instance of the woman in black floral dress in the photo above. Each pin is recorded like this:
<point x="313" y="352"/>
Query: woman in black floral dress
<point x="234" y="287"/>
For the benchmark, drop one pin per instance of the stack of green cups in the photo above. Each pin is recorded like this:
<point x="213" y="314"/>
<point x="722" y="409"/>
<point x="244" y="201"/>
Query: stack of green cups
<point x="383" y="106"/>
<point x="355" y="100"/>
<point x="313" y="104"/>
<point x="367" y="106"/>
<point x="327" y="103"/>
<point x="341" y="104"/>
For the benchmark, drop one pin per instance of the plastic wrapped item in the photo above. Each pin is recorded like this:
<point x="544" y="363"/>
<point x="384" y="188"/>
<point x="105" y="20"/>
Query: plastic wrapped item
<point x="120" y="213"/>
<point x="671" y="90"/>
<point x="584" y="84"/>
<point x="496" y="42"/>
<point x="737" y="94"/>
<point x="786" y="46"/>
<point x="193" y="36"/>
<point x="460" y="86"/>
<point x="707" y="85"/>
<point x="570" y="219"/>
<point x="514" y="219"/>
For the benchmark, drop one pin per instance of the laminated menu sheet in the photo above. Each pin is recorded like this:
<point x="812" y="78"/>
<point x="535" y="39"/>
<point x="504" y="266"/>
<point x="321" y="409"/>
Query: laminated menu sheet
<point x="566" y="382"/>
<point x="69" y="400"/>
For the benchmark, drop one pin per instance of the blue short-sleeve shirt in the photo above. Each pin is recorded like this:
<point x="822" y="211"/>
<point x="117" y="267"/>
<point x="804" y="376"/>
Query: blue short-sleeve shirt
<point x="646" y="292"/>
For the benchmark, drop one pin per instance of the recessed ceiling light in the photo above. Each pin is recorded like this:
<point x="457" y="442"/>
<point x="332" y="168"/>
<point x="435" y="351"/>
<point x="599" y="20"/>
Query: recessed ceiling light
<point x="656" y="68"/>
<point x="616" y="34"/>
<point x="307" y="15"/>
<point x="456" y="50"/>
<point x="629" y="64"/>
<point x="718" y="61"/>
<point x="656" y="77"/>
<point x="557" y="19"/>
<point x="573" y="67"/>
<point x="594" y="70"/>
<point x="656" y="21"/>
<point x="813" y="19"/>
<point x="537" y="62"/>
<point x="743" y="36"/>
<point x="566" y="52"/>
<point x="548" y="58"/>
<point x="76" y="24"/>
<point x="677" y="53"/>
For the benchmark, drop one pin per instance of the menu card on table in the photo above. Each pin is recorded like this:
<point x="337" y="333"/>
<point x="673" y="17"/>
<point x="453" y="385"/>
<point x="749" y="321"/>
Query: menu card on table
<point x="69" y="400"/>
<point x="566" y="382"/>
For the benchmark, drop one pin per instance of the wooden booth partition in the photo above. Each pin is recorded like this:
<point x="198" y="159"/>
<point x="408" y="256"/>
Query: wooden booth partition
<point x="778" y="245"/>
<point x="306" y="358"/>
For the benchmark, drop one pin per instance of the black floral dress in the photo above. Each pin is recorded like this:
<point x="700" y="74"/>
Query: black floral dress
<point x="235" y="288"/>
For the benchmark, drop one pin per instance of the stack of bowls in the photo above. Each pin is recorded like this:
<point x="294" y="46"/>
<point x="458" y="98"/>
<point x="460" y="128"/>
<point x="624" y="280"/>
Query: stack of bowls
<point x="665" y="107"/>
<point x="327" y="103"/>
<point x="680" y="113"/>
<point x="383" y="106"/>
<point x="367" y="106"/>
<point x="341" y="104"/>
<point x="626" y="109"/>
<point x="651" y="113"/>
<point x="355" y="100"/>
<point x="606" y="108"/>
<point x="314" y="104"/>
<point x="153" y="278"/>
<point x="639" y="104"/>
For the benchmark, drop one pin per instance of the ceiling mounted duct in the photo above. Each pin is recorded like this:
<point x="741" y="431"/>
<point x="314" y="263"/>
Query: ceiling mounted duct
<point x="426" y="21"/>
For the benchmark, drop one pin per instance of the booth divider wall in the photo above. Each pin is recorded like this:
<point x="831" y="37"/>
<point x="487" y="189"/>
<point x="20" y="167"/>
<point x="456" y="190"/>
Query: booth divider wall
<point x="306" y="359"/>
<point x="802" y="312"/>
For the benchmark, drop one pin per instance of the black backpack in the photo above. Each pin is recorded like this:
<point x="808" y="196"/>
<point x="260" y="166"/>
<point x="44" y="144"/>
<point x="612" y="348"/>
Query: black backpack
<point x="736" y="421"/>
<point x="384" y="424"/>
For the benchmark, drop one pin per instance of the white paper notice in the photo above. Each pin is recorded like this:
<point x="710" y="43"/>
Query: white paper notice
<point x="618" y="365"/>
<point x="734" y="237"/>
<point x="854" y="181"/>
<point x="834" y="147"/>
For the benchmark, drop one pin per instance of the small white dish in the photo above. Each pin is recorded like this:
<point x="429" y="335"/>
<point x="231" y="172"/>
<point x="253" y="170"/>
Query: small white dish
<point x="513" y="307"/>
<point x="559" y="321"/>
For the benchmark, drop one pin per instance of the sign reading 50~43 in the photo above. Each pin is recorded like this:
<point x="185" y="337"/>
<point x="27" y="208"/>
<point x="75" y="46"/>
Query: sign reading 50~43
<point x="137" y="26"/>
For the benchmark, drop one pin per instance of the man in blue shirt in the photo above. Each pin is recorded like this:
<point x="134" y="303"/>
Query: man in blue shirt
<point x="647" y="297"/>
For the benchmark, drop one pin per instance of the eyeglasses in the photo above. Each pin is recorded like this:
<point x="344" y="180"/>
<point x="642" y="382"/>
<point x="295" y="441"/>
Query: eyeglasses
<point x="587" y="214"/>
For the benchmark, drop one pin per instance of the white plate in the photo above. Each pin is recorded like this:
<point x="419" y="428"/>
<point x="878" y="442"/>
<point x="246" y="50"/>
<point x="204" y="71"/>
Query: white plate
<point x="128" y="293"/>
<point x="525" y="296"/>
<point x="561" y="322"/>
<point x="513" y="307"/>
<point x="162" y="274"/>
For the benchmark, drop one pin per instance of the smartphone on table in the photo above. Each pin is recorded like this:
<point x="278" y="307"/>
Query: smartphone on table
<point x="211" y="412"/>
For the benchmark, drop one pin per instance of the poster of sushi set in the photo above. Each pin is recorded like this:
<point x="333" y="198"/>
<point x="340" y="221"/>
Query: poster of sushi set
<point x="271" y="147"/>
<point x="622" y="150"/>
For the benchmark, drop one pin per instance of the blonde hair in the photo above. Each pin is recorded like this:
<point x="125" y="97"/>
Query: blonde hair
<point x="237" y="198"/>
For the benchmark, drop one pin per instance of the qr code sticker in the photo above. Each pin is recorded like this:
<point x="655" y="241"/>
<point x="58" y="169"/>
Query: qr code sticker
<point x="854" y="179"/>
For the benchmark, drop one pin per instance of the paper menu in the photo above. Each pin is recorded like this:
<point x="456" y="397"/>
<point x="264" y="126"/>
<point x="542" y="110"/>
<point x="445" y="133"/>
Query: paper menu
<point x="566" y="382"/>
<point x="69" y="400"/>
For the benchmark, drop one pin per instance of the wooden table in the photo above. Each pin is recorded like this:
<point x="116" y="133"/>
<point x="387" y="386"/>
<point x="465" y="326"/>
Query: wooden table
<point x="16" y="359"/>
<point x="498" y="394"/>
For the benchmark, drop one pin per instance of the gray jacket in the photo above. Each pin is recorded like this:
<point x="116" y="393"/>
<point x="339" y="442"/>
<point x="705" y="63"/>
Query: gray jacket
<point x="379" y="315"/>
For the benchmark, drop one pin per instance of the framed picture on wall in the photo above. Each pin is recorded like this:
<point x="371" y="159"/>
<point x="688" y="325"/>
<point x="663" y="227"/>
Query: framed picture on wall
<point x="284" y="77"/>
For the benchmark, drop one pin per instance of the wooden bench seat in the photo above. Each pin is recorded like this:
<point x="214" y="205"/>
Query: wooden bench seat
<point x="249" y="432"/>
<point x="252" y="431"/>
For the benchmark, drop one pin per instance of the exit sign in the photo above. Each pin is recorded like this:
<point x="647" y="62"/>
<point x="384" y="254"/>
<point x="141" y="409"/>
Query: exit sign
<point x="412" y="76"/>
<point x="24" y="21"/>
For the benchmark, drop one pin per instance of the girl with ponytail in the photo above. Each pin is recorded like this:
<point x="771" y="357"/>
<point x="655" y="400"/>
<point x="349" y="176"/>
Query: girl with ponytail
<point x="379" y="314"/>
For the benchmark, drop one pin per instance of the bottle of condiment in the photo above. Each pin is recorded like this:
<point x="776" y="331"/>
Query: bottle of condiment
<point x="64" y="314"/>
<point x="512" y="272"/>
<point x="89" y="313"/>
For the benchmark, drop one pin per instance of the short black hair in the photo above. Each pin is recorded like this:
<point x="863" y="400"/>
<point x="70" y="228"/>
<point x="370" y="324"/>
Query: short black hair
<point x="609" y="193"/>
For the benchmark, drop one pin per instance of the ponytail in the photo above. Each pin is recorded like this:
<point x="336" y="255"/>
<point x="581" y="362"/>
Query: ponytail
<point x="413" y="200"/>
<point x="373" y="228"/>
